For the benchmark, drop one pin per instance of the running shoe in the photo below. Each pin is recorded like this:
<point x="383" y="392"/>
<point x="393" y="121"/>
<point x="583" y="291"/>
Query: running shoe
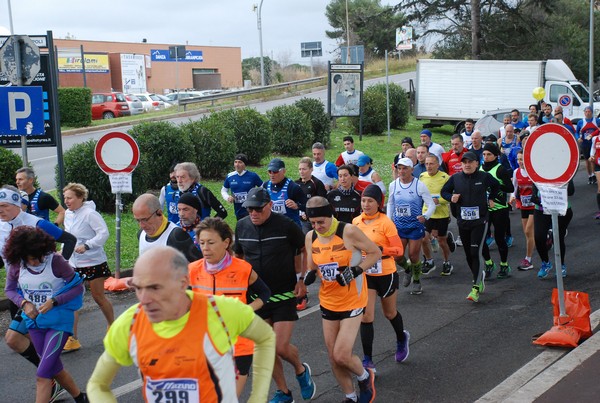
<point x="490" y="241"/>
<point x="435" y="245"/>
<point x="564" y="270"/>
<point x="368" y="363"/>
<point x="451" y="242"/>
<point x="407" y="278"/>
<point x="509" y="241"/>
<point x="307" y="386"/>
<point x="367" y="388"/>
<point x="348" y="400"/>
<point x="474" y="294"/>
<point x="594" y="180"/>
<point x="58" y="392"/>
<point x="428" y="266"/>
<point x="504" y="271"/>
<point x="458" y="241"/>
<point x="597" y="216"/>
<point x="302" y="303"/>
<point x="402" y="348"/>
<point x="525" y="265"/>
<point x="481" y="285"/>
<point x="590" y="180"/>
<point x="545" y="269"/>
<point x="280" y="397"/>
<point x="71" y="345"/>
<point x="416" y="288"/>
<point x="447" y="268"/>
<point x="549" y="239"/>
<point x="489" y="269"/>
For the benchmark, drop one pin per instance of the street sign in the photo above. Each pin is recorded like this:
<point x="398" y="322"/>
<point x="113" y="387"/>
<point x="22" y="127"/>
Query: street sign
<point x="404" y="38"/>
<point x="551" y="155"/>
<point x="117" y="153"/>
<point x="20" y="49"/>
<point x="21" y="111"/>
<point x="311" y="49"/>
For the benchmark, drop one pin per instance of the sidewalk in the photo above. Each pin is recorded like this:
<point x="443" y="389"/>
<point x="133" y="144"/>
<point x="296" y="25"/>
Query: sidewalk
<point x="556" y="375"/>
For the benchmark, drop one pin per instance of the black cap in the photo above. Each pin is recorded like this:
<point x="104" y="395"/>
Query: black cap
<point x="469" y="155"/>
<point x="276" y="165"/>
<point x="524" y="135"/>
<point x="190" y="200"/>
<point x="408" y="140"/>
<point x="373" y="191"/>
<point x="241" y="157"/>
<point x="491" y="137"/>
<point x="493" y="148"/>
<point x="257" y="197"/>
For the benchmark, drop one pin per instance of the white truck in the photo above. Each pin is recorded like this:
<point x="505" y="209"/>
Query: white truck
<point x="450" y="91"/>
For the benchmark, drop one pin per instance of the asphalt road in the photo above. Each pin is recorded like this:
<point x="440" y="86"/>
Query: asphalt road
<point x="458" y="350"/>
<point x="44" y="160"/>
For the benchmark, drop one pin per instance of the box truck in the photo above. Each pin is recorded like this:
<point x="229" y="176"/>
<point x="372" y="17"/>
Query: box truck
<point x="450" y="91"/>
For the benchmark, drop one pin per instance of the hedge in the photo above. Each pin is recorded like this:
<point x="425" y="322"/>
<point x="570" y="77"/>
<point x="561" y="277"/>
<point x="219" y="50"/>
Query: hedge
<point x="319" y="119"/>
<point x="75" y="106"/>
<point x="292" y="131"/>
<point x="9" y="163"/>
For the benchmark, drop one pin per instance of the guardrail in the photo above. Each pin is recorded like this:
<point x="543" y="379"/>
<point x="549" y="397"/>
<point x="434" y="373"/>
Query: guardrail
<point x="257" y="90"/>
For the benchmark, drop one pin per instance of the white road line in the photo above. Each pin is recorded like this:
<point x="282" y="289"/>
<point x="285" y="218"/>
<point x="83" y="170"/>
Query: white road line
<point x="43" y="158"/>
<point x="137" y="384"/>
<point x="543" y="372"/>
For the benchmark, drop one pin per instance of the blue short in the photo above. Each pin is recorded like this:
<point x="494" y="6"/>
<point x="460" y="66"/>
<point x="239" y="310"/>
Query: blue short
<point x="412" y="233"/>
<point x="18" y="324"/>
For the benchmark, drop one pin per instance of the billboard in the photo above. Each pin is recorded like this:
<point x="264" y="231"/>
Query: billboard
<point x="162" y="55"/>
<point x="404" y="38"/>
<point x="345" y="89"/>
<point x="94" y="63"/>
<point x="133" y="73"/>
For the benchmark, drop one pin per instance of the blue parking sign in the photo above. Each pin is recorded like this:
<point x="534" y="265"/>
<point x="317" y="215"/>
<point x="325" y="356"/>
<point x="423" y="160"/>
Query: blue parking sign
<point x="21" y="111"/>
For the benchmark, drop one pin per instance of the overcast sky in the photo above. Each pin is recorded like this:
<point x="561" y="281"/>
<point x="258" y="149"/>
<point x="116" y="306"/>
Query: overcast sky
<point x="285" y="23"/>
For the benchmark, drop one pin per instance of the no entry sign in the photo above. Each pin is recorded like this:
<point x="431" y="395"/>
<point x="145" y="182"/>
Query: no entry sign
<point x="117" y="153"/>
<point x="551" y="155"/>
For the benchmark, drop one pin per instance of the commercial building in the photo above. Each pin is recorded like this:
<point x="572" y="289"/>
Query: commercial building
<point x="145" y="67"/>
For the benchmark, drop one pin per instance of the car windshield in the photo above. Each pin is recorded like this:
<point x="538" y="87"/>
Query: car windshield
<point x="154" y="98"/>
<point x="142" y="98"/>
<point x="582" y="92"/>
<point x="120" y="97"/>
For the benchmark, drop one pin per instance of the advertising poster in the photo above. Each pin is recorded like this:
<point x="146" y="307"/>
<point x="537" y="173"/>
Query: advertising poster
<point x="71" y="63"/>
<point x="345" y="90"/>
<point x="133" y="73"/>
<point x="404" y="38"/>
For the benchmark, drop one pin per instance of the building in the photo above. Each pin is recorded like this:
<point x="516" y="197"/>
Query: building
<point x="145" y="67"/>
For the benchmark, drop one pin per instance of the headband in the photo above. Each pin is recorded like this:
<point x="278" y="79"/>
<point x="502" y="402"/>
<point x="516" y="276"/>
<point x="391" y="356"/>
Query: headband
<point x="323" y="211"/>
<point x="10" y="197"/>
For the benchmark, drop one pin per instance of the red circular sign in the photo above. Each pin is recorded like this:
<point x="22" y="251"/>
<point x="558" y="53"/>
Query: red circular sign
<point x="117" y="153"/>
<point x="551" y="155"/>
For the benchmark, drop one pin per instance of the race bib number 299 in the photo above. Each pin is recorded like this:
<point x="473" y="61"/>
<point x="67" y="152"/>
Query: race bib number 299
<point x="174" y="390"/>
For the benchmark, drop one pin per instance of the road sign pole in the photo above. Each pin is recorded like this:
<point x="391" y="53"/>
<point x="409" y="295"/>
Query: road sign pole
<point x="53" y="95"/>
<point x="558" y="268"/>
<point x="119" y="209"/>
<point x="18" y="60"/>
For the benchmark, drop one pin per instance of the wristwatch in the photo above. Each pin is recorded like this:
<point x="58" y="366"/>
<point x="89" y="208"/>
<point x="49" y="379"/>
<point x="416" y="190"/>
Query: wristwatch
<point x="54" y="302"/>
<point x="85" y="245"/>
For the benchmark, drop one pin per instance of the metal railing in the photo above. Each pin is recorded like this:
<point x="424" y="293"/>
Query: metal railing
<point x="293" y="85"/>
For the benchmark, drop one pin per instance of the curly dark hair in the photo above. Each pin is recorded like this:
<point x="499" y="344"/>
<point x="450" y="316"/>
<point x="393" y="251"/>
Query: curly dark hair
<point x="25" y="242"/>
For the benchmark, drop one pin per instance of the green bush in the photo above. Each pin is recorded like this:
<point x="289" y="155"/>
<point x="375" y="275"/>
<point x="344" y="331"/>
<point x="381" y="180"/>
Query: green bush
<point x="375" y="109"/>
<point x="214" y="144"/>
<point x="161" y="145"/>
<point x="75" y="106"/>
<point x="9" y="163"/>
<point x="81" y="167"/>
<point x="320" y="122"/>
<point x="252" y="133"/>
<point x="292" y="132"/>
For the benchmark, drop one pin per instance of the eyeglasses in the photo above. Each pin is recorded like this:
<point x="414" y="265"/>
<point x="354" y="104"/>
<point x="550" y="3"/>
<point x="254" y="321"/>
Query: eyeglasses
<point x="144" y="220"/>
<point x="256" y="209"/>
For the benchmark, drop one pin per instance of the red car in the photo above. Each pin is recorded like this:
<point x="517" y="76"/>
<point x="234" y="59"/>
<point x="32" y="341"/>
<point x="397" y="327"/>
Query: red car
<point x="109" y="105"/>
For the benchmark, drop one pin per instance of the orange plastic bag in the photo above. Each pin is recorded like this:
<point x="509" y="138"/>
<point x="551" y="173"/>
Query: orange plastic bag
<point x="559" y="336"/>
<point x="113" y="284"/>
<point x="577" y="307"/>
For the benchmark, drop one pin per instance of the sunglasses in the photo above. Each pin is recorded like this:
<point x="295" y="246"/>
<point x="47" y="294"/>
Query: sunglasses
<point x="256" y="209"/>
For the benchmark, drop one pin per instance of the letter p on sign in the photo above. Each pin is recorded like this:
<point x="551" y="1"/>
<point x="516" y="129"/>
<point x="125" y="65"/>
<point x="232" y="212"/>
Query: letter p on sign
<point x="21" y="111"/>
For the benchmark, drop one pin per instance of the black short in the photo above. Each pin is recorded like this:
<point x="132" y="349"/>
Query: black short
<point x="243" y="363"/>
<point x="596" y="168"/>
<point x="334" y="315"/>
<point x="440" y="224"/>
<point x="526" y="213"/>
<point x="283" y="311"/>
<point x="93" y="272"/>
<point x="385" y="285"/>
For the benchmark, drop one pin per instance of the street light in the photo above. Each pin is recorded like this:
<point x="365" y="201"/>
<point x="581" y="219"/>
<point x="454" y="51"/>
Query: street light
<point x="259" y="25"/>
<point x="12" y="31"/>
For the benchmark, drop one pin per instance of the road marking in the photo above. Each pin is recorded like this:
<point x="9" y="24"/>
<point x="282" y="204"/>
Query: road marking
<point x="544" y="371"/>
<point x="43" y="158"/>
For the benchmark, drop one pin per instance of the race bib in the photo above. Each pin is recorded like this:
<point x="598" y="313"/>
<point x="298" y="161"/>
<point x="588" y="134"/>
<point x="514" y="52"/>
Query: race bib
<point x="375" y="269"/>
<point x="469" y="213"/>
<point x="329" y="271"/>
<point x="403" y="210"/>
<point x="240" y="197"/>
<point x="173" y="390"/>
<point x="279" y="206"/>
<point x="526" y="201"/>
<point x="173" y="208"/>
<point x="37" y="297"/>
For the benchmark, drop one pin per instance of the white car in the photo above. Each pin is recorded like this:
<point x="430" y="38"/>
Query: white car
<point x="174" y="97"/>
<point x="151" y="102"/>
<point x="135" y="104"/>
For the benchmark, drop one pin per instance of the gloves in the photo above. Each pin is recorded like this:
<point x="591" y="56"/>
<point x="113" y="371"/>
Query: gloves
<point x="347" y="274"/>
<point x="310" y="277"/>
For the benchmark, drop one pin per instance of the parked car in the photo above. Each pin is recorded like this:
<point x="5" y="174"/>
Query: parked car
<point x="136" y="106"/>
<point x="109" y="105"/>
<point x="176" y="96"/>
<point x="167" y="102"/>
<point x="151" y="102"/>
<point x="494" y="120"/>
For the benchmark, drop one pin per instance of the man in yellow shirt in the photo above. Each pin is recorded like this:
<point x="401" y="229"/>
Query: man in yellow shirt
<point x="436" y="228"/>
<point x="155" y="336"/>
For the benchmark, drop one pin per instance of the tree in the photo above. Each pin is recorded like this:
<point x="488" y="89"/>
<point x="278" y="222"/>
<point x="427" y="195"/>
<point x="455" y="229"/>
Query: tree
<point x="371" y="24"/>
<point x="253" y="63"/>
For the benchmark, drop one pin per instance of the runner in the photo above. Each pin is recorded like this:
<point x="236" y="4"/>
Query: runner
<point x="382" y="278"/>
<point x="240" y="181"/>
<point x="168" y="196"/>
<point x="469" y="190"/>
<point x="436" y="228"/>
<point x="405" y="208"/>
<point x="288" y="198"/>
<point x="522" y="199"/>
<point x="201" y="329"/>
<point x="40" y="202"/>
<point x="367" y="174"/>
<point x="343" y="294"/>
<point x="345" y="200"/>
<point x="218" y="273"/>
<point x="594" y="158"/>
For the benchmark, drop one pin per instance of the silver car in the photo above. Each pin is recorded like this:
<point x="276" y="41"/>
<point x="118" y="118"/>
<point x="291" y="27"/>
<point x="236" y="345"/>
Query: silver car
<point x="135" y="105"/>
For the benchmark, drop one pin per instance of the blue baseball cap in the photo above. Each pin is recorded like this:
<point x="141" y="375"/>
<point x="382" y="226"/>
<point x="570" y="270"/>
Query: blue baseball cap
<point x="364" y="160"/>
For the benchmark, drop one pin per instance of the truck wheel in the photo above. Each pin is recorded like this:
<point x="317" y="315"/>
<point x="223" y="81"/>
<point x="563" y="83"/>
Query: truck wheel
<point x="108" y="115"/>
<point x="460" y="126"/>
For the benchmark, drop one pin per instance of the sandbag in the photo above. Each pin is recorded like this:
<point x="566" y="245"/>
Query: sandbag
<point x="559" y="336"/>
<point x="114" y="284"/>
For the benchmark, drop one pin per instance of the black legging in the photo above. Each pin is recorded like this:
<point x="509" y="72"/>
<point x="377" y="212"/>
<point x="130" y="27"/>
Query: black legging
<point x="541" y="224"/>
<point x="499" y="219"/>
<point x="473" y="240"/>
